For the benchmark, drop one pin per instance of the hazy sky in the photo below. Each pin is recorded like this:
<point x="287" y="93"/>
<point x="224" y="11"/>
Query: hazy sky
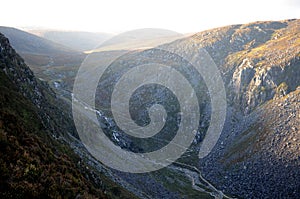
<point x="122" y="15"/>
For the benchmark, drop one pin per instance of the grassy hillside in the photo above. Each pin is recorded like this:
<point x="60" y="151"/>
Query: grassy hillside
<point x="36" y="160"/>
<point x="32" y="163"/>
<point x="32" y="44"/>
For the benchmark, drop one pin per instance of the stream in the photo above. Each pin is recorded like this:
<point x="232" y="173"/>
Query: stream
<point x="198" y="182"/>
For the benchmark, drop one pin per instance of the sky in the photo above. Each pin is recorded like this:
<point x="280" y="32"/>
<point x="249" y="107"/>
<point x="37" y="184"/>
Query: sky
<point x="115" y="16"/>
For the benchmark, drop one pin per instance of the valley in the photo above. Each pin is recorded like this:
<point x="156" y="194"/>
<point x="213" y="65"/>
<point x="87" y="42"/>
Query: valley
<point x="257" y="154"/>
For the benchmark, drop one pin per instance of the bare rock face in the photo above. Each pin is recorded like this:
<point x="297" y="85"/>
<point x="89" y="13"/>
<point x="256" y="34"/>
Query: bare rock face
<point x="242" y="77"/>
<point x="258" y="153"/>
<point x="266" y="71"/>
<point x="253" y="85"/>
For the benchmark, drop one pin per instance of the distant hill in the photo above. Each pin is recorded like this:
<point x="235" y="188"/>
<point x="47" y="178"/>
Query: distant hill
<point x="141" y="38"/>
<point x="80" y="41"/>
<point x="27" y="43"/>
<point x="38" y="51"/>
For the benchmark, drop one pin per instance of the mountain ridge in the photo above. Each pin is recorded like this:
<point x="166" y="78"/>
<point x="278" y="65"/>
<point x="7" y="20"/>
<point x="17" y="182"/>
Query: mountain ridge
<point x="77" y="40"/>
<point x="32" y="44"/>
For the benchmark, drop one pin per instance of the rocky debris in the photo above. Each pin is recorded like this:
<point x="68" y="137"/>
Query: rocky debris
<point x="261" y="159"/>
<point x="257" y="154"/>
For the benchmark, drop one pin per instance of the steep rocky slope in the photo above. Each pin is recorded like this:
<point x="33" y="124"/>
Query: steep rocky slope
<point x="260" y="155"/>
<point x="257" y="60"/>
<point x="258" y="152"/>
<point x="257" y="155"/>
<point x="36" y="158"/>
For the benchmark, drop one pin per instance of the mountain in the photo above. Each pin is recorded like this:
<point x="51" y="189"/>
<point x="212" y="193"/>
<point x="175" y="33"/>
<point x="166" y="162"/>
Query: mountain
<point x="36" y="130"/>
<point x="27" y="43"/>
<point x="79" y="41"/>
<point x="38" y="51"/>
<point x="257" y="154"/>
